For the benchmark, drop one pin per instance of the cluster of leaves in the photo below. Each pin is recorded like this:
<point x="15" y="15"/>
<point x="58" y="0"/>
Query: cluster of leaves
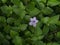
<point x="14" y="22"/>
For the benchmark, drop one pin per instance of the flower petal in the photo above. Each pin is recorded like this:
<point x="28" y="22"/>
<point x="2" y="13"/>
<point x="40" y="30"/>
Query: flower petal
<point x="31" y="19"/>
<point x="36" y="21"/>
<point x="34" y="18"/>
<point x="34" y="25"/>
<point x="30" y="23"/>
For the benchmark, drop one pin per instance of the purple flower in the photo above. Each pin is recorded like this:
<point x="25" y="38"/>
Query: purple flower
<point x="33" y="21"/>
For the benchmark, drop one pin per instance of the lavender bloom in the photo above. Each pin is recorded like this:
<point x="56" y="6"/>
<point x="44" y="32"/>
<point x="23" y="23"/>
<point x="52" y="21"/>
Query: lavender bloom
<point x="33" y="21"/>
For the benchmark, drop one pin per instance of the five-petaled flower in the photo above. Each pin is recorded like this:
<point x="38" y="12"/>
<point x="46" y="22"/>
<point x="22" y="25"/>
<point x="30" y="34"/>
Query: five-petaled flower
<point x="33" y="21"/>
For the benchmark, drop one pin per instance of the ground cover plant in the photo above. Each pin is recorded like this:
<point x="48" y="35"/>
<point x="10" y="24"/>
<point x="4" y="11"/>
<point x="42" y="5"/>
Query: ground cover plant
<point x="29" y="22"/>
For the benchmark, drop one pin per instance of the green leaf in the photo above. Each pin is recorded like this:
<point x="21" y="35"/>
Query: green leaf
<point x="34" y="12"/>
<point x="45" y="20"/>
<point x="37" y="34"/>
<point x="27" y="17"/>
<point x="19" y="11"/>
<point x="38" y="43"/>
<point x="39" y="24"/>
<point x="52" y="27"/>
<point x="30" y="6"/>
<point x="37" y="0"/>
<point x="13" y="34"/>
<point x="22" y="6"/>
<point x="35" y="38"/>
<point x="58" y="23"/>
<point x="37" y="31"/>
<point x="7" y="29"/>
<point x="44" y="1"/>
<point x="4" y="1"/>
<point x="45" y="30"/>
<point x="10" y="20"/>
<point x="17" y="22"/>
<point x="53" y="2"/>
<point x="28" y="34"/>
<point x="2" y="19"/>
<point x="23" y="27"/>
<point x="53" y="20"/>
<point x="40" y="5"/>
<point x="8" y="37"/>
<point x="1" y="37"/>
<point x="50" y="37"/>
<point x="58" y="35"/>
<point x="17" y="40"/>
<point x="22" y="14"/>
<point x="55" y="43"/>
<point x="5" y="42"/>
<point x="16" y="28"/>
<point x="47" y="10"/>
<point x="7" y="10"/>
<point x="16" y="2"/>
<point x="49" y="43"/>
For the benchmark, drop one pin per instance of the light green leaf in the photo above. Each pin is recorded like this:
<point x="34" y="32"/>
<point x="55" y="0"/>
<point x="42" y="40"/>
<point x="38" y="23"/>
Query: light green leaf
<point x="35" y="38"/>
<point x="49" y="43"/>
<point x="22" y="6"/>
<point x="38" y="0"/>
<point x="58" y="23"/>
<point x="55" y="43"/>
<point x="4" y="1"/>
<point x="44" y="1"/>
<point x="30" y="6"/>
<point x="58" y="35"/>
<point x="37" y="34"/>
<point x="52" y="27"/>
<point x="34" y="12"/>
<point x="45" y="30"/>
<point x="17" y="40"/>
<point x="45" y="20"/>
<point x="13" y="34"/>
<point x="47" y="10"/>
<point x="37" y="31"/>
<point x="23" y="27"/>
<point x="41" y="6"/>
<point x="53" y="20"/>
<point x="38" y="43"/>
<point x="2" y="19"/>
<point x="7" y="10"/>
<point x="27" y="17"/>
<point x="7" y="29"/>
<point x="53" y="2"/>
<point x="28" y="34"/>
<point x="16" y="2"/>
<point x="19" y="11"/>
<point x="10" y="20"/>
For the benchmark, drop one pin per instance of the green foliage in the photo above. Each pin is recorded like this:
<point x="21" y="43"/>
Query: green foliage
<point x="53" y="43"/>
<point x="58" y="35"/>
<point x="53" y="2"/>
<point x="23" y="27"/>
<point x="53" y="20"/>
<point x="16" y="2"/>
<point x="15" y="16"/>
<point x="7" y="10"/>
<point x="45" y="30"/>
<point x="47" y="10"/>
<point x="4" y="1"/>
<point x="13" y="33"/>
<point x="17" y="40"/>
